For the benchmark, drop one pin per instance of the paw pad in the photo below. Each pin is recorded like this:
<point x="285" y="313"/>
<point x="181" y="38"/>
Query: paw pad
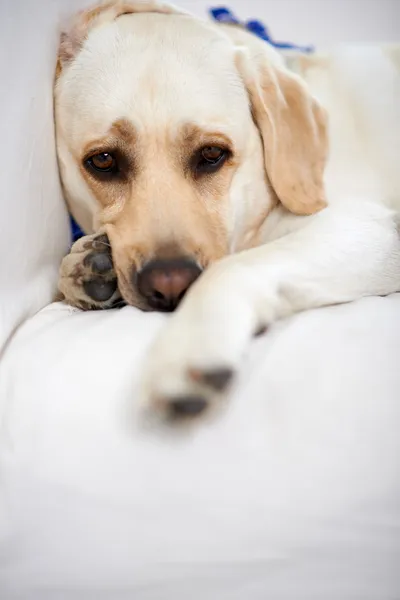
<point x="183" y="407"/>
<point x="218" y="379"/>
<point x="104" y="284"/>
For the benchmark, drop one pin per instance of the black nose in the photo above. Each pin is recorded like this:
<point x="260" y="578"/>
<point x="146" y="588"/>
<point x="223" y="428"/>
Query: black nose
<point x="163" y="283"/>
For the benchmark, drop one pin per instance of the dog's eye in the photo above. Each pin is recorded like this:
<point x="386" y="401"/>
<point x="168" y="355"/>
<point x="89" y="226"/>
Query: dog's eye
<point x="104" y="162"/>
<point x="212" y="154"/>
<point x="210" y="159"/>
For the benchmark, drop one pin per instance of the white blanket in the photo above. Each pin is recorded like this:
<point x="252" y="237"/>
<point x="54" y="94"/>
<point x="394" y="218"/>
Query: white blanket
<point x="292" y="493"/>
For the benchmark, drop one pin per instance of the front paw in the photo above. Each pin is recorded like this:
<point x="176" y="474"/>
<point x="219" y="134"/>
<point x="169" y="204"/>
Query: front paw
<point x="180" y="389"/>
<point x="87" y="277"/>
<point x="192" y="364"/>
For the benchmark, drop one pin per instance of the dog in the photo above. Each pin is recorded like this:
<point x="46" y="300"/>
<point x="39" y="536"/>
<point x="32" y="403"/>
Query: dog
<point x="210" y="171"/>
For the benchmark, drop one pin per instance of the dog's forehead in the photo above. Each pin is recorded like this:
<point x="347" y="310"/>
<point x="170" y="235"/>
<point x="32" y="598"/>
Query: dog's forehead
<point x="153" y="69"/>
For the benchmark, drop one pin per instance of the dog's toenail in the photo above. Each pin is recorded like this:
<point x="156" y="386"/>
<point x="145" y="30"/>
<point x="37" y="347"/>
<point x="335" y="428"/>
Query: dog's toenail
<point x="100" y="290"/>
<point x="187" y="406"/>
<point x="99" y="262"/>
<point x="218" y="379"/>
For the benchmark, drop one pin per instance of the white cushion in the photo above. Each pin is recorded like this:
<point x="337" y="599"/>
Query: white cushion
<point x="34" y="226"/>
<point x="293" y="493"/>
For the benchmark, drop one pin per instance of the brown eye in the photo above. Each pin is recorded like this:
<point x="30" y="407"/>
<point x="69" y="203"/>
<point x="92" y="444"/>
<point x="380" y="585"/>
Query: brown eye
<point x="212" y="154"/>
<point x="104" y="162"/>
<point x="209" y="159"/>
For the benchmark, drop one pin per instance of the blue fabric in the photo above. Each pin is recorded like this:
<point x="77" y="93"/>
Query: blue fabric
<point x="224" y="15"/>
<point x="76" y="231"/>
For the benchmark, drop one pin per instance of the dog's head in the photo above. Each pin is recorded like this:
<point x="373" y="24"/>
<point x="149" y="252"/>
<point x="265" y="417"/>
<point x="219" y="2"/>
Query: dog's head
<point x="178" y="137"/>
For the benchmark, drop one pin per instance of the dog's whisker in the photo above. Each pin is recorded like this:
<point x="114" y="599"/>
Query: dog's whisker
<point x="103" y="243"/>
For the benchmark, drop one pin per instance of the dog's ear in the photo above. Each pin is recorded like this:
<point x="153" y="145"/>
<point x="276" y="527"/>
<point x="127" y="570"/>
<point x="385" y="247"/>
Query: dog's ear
<point x="76" y="33"/>
<point x="293" y="128"/>
<point x="292" y="124"/>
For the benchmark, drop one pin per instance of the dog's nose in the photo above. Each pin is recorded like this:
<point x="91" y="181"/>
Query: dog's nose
<point x="163" y="283"/>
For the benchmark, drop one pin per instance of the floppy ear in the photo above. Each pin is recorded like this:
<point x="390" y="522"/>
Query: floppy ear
<point x="292" y="124"/>
<point x="293" y="129"/>
<point x="74" y="36"/>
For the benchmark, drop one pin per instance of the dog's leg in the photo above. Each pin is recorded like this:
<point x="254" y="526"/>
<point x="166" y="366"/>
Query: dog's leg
<point x="340" y="255"/>
<point x="87" y="278"/>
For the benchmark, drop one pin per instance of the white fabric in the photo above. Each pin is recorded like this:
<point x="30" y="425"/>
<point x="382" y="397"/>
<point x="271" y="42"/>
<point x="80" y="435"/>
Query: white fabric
<point x="34" y="228"/>
<point x="292" y="493"/>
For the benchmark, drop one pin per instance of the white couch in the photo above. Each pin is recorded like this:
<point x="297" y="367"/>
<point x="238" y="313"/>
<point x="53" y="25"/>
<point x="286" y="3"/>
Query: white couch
<point x="292" y="494"/>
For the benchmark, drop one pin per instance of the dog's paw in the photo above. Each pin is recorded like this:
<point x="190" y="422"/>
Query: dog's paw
<point x="183" y="392"/>
<point x="178" y="388"/>
<point x="87" y="277"/>
<point x="193" y="362"/>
